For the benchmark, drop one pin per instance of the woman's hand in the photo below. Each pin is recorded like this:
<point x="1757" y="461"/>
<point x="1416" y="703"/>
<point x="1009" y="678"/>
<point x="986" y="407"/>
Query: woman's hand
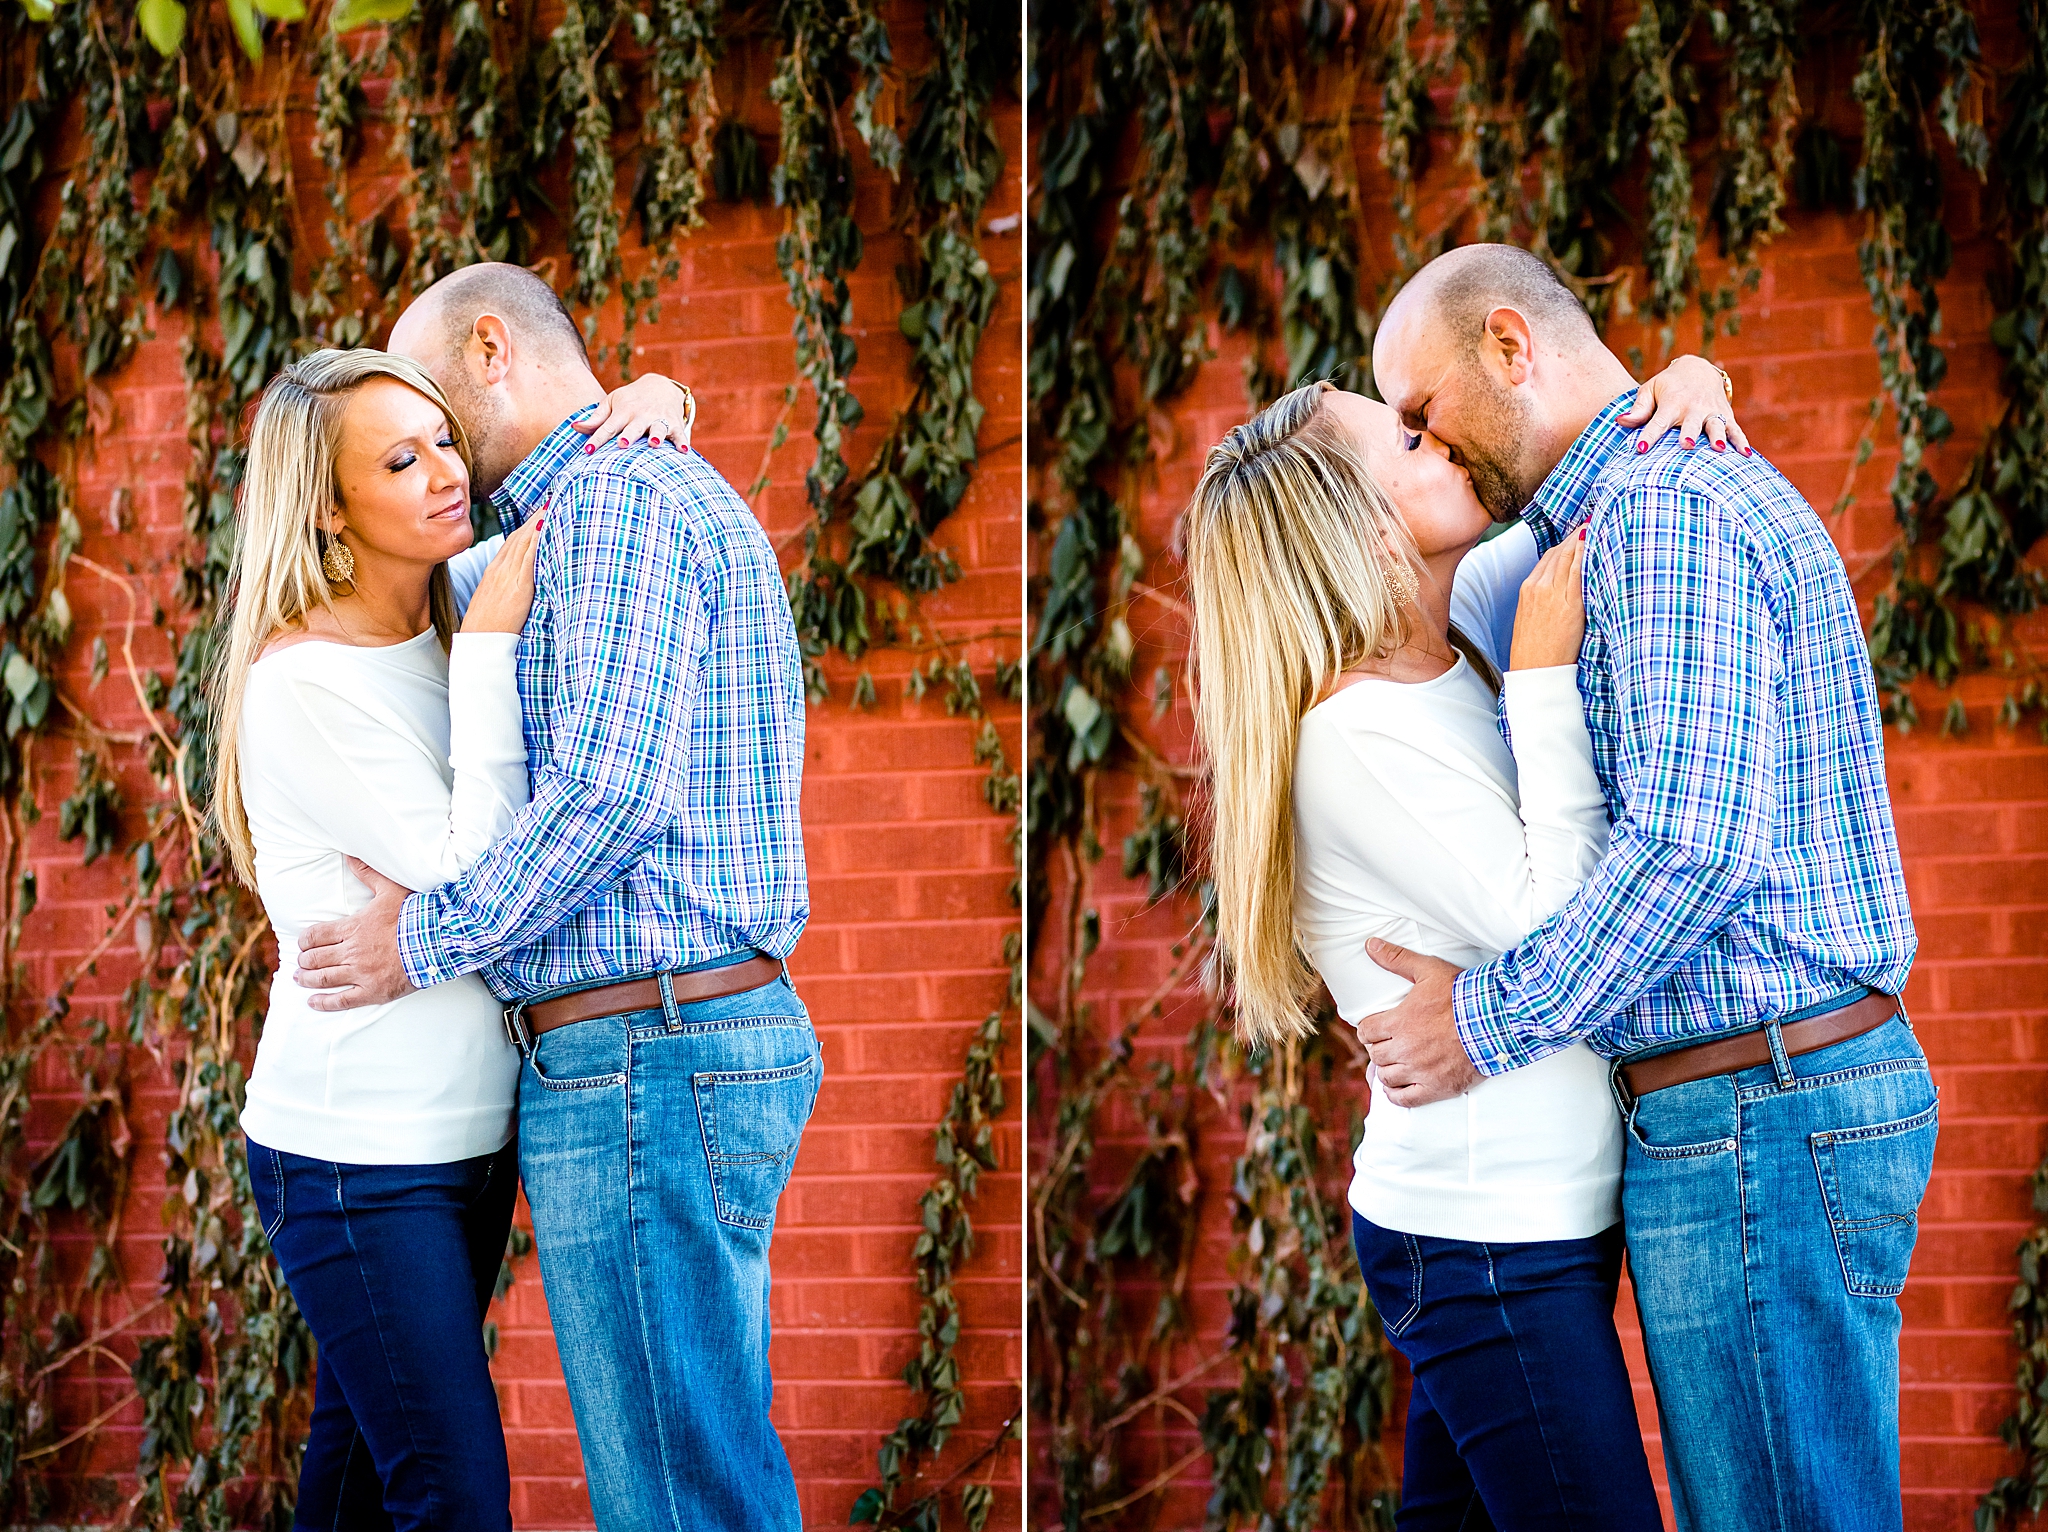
<point x="652" y="406"/>
<point x="1550" y="618"/>
<point x="1688" y="394"/>
<point x="505" y="594"/>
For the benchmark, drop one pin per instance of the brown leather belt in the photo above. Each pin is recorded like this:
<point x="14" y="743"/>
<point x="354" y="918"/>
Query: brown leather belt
<point x="524" y="1022"/>
<point x="1724" y="1056"/>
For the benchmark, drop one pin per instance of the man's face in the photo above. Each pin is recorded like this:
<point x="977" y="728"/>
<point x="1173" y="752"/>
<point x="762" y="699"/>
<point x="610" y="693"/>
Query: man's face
<point x="1438" y="386"/>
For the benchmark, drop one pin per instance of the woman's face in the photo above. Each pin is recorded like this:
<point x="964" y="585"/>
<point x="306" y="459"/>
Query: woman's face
<point x="1433" y="494"/>
<point x="404" y="491"/>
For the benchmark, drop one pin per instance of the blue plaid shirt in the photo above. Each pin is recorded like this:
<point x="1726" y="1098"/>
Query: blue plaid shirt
<point x="1753" y="870"/>
<point x="664" y="710"/>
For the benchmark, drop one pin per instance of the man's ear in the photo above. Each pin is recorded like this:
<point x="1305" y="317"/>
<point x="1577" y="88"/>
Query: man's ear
<point x="490" y="349"/>
<point x="1509" y="347"/>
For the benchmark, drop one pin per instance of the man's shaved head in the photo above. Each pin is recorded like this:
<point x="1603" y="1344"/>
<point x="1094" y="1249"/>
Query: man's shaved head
<point x="1456" y="291"/>
<point x="443" y="317"/>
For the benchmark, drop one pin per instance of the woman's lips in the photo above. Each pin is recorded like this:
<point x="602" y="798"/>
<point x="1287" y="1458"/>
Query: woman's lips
<point x="450" y="511"/>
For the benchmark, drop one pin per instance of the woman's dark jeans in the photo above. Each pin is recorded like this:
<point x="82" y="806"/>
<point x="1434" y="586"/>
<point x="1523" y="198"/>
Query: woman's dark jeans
<point x="393" y="1267"/>
<point x="1522" y="1418"/>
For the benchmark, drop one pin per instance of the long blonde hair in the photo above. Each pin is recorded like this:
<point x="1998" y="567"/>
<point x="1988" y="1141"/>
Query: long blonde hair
<point x="288" y="487"/>
<point x="1300" y="568"/>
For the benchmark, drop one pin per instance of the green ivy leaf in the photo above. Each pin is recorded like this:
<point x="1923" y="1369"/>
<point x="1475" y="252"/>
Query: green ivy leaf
<point x="352" y="14"/>
<point x="248" y="32"/>
<point x="163" y="23"/>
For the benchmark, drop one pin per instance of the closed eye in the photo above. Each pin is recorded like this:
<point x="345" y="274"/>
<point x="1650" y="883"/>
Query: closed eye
<point x="1410" y="443"/>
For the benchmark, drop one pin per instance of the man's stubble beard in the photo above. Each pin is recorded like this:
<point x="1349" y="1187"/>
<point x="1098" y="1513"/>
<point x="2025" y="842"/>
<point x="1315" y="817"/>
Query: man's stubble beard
<point x="486" y="422"/>
<point x="1499" y="452"/>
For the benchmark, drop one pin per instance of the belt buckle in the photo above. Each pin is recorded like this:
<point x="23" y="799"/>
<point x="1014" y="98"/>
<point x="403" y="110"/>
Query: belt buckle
<point x="516" y="1030"/>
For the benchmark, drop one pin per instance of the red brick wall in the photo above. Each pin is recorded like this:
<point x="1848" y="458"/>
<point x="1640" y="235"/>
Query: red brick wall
<point x="1972" y="813"/>
<point x="909" y="868"/>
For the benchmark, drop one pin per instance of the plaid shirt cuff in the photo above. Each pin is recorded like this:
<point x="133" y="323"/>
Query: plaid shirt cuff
<point x="419" y="946"/>
<point x="1481" y="1012"/>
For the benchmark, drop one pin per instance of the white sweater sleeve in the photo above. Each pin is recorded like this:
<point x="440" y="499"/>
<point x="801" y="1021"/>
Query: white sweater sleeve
<point x="376" y="792"/>
<point x="466" y="570"/>
<point x="1564" y="813"/>
<point x="1487" y="589"/>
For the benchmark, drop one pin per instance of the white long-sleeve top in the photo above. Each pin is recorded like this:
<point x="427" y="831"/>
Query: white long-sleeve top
<point x="1414" y="823"/>
<point x="413" y="761"/>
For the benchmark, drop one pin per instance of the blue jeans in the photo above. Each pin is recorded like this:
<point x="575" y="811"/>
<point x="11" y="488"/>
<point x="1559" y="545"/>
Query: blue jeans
<point x="393" y="1267"/>
<point x="654" y="1147"/>
<point x="1521" y="1416"/>
<point x="1771" y="1215"/>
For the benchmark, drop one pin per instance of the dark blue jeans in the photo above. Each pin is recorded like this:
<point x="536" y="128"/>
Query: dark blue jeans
<point x="393" y="1267"/>
<point x="1521" y="1418"/>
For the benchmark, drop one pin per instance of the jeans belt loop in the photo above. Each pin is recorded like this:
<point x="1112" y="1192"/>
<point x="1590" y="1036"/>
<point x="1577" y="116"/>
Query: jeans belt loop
<point x="669" y="1007"/>
<point x="1617" y="1085"/>
<point x="1781" y="1062"/>
<point x="516" y="1029"/>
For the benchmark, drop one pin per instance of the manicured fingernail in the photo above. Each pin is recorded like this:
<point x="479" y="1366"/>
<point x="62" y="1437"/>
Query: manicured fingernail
<point x="1746" y="452"/>
<point x="590" y="446"/>
<point x="1582" y="534"/>
<point x="1642" y="446"/>
<point x="1688" y="443"/>
<point x="1720" y="446"/>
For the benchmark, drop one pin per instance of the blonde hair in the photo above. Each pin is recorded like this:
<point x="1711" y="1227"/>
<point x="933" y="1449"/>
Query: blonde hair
<point x="288" y="486"/>
<point x="1300" y="567"/>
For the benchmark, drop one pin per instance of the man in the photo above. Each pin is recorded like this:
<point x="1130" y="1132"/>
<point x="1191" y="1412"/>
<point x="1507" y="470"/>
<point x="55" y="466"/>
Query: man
<point x="1737" y="950"/>
<point x="637" y="914"/>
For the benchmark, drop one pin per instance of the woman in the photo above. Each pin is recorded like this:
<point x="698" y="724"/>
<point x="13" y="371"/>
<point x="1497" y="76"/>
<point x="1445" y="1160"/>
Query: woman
<point x="358" y="721"/>
<point x="1350" y="658"/>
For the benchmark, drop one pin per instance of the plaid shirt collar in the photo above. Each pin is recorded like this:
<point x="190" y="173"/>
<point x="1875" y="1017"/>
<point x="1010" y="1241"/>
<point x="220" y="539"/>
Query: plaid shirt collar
<point x="525" y="489"/>
<point x="1561" y="498"/>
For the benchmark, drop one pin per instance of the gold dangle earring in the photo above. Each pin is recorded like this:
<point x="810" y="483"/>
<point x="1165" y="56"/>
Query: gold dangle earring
<point x="338" y="563"/>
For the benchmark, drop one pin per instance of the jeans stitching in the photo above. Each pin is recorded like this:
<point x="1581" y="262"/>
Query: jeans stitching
<point x="1508" y="1324"/>
<point x="1830" y="1194"/>
<point x="1414" y="1283"/>
<point x="703" y="1088"/>
<point x="270" y="1233"/>
<point x="1749" y="1307"/>
<point x="1838" y="1077"/>
<point x="640" y="1301"/>
<point x="779" y="1020"/>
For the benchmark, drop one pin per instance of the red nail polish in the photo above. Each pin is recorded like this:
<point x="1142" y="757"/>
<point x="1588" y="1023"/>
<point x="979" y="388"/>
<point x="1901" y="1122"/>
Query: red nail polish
<point x="1720" y="446"/>
<point x="1746" y="452"/>
<point x="590" y="446"/>
<point x="1688" y="443"/>
<point x="1642" y="446"/>
<point x="1582" y="534"/>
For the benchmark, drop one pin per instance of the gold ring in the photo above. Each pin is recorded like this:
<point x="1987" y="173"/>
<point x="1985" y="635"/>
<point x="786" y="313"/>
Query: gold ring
<point x="689" y="406"/>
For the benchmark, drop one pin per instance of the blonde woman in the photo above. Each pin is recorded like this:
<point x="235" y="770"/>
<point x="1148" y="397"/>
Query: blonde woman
<point x="1354" y="641"/>
<point x="358" y="725"/>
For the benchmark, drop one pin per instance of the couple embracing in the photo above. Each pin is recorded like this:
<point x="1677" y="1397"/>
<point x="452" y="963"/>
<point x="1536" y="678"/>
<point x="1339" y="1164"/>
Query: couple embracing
<point x="1584" y="825"/>
<point x="524" y="819"/>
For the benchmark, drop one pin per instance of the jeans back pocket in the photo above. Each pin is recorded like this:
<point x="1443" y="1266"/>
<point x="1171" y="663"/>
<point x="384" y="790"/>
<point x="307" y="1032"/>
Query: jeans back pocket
<point x="752" y="1121"/>
<point x="1872" y="1180"/>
